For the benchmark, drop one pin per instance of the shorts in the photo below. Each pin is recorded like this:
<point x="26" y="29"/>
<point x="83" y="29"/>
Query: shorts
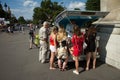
<point x="52" y="48"/>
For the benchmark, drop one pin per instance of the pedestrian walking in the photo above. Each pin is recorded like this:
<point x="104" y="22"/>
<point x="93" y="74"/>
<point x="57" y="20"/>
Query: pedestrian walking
<point x="32" y="36"/>
<point x="22" y="29"/>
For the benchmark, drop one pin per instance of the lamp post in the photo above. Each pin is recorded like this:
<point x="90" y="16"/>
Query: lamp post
<point x="5" y="5"/>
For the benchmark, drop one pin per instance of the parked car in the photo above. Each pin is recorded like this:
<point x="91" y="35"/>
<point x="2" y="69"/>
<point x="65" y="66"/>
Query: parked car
<point x="81" y="18"/>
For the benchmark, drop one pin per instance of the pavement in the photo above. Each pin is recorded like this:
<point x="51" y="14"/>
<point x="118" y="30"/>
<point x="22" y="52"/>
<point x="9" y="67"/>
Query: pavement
<point x="17" y="62"/>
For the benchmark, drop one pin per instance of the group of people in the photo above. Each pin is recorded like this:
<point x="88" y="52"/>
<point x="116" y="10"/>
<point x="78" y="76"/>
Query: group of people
<point x="63" y="42"/>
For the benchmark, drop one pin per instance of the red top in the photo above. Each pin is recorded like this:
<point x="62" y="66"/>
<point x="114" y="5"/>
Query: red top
<point x="52" y="41"/>
<point x="77" y="45"/>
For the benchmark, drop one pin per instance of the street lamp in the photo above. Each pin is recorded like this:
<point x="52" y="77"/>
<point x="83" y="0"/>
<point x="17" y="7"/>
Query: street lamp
<point x="5" y="5"/>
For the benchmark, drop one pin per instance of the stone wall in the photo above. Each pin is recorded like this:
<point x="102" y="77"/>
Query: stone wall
<point x="109" y="32"/>
<point x="114" y="15"/>
<point x="110" y="44"/>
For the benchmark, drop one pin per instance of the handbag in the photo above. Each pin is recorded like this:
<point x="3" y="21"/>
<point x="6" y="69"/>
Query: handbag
<point x="84" y="45"/>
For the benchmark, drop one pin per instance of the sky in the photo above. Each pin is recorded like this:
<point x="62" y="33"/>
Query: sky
<point x="25" y="7"/>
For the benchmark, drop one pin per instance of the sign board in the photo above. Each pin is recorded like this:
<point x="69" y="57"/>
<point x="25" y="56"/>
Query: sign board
<point x="6" y="22"/>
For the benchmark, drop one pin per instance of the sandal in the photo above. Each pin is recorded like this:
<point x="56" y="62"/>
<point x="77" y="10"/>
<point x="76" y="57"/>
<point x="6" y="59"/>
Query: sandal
<point x="87" y="69"/>
<point x="93" y="67"/>
<point x="52" y="68"/>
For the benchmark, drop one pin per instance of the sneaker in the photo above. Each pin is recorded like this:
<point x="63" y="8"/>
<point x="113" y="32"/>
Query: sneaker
<point x="42" y="62"/>
<point x="74" y="71"/>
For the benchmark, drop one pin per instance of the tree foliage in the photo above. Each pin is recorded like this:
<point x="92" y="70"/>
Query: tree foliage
<point x="47" y="11"/>
<point x="93" y="5"/>
<point x="13" y="20"/>
<point x="29" y="21"/>
<point x="2" y="12"/>
<point x="7" y="14"/>
<point x="21" y="20"/>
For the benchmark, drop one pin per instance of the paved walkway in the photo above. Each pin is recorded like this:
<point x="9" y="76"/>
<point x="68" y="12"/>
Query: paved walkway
<point x="17" y="62"/>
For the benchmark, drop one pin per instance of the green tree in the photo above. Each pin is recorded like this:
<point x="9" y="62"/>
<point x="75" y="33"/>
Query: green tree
<point x="56" y="9"/>
<point x="39" y="14"/>
<point x="93" y="5"/>
<point x="13" y="19"/>
<point x="29" y="21"/>
<point x="47" y="11"/>
<point x="2" y="12"/>
<point x="21" y="20"/>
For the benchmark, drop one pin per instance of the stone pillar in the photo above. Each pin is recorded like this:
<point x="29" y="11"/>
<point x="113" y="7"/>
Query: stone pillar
<point x="110" y="44"/>
<point x="109" y="5"/>
<point x="109" y="32"/>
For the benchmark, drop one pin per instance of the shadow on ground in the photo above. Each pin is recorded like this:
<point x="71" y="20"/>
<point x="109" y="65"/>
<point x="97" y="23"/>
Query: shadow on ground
<point x="82" y="64"/>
